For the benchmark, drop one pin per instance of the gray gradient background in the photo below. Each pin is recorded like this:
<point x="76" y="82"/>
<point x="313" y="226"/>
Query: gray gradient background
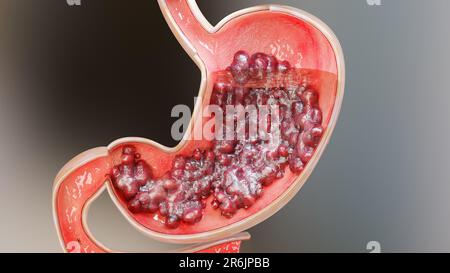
<point x="80" y="77"/>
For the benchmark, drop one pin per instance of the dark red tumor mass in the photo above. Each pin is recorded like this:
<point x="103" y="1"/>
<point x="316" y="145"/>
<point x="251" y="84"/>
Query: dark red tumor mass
<point x="235" y="171"/>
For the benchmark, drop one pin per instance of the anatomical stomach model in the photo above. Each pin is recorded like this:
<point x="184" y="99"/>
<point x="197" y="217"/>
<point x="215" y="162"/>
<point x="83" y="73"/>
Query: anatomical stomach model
<point x="207" y="191"/>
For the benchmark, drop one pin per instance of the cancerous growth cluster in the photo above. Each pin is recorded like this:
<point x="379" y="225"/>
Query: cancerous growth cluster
<point x="232" y="173"/>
